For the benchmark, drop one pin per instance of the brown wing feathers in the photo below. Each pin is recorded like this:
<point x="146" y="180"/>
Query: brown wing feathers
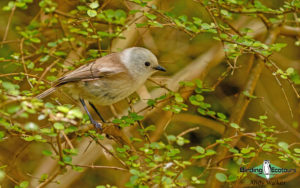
<point x="83" y="72"/>
<point x="103" y="67"/>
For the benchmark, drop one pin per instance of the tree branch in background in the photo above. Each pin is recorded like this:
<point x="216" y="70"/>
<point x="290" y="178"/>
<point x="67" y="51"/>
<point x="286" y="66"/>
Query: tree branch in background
<point x="240" y="108"/>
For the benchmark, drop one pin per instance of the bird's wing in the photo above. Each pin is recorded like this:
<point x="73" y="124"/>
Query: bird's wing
<point x="100" y="68"/>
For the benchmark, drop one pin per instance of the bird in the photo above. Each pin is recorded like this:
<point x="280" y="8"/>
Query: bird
<point x="108" y="79"/>
<point x="267" y="169"/>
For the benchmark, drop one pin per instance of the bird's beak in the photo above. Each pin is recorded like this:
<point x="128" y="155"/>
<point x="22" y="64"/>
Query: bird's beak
<point x="160" y="68"/>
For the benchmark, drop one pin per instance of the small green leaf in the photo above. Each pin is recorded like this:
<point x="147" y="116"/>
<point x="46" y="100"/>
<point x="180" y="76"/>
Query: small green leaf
<point x="43" y="177"/>
<point x="178" y="98"/>
<point x="46" y="152"/>
<point x="297" y="150"/>
<point x="58" y="126"/>
<point x="150" y="16"/>
<point x="51" y="78"/>
<point x="91" y="13"/>
<point x="24" y="184"/>
<point x="221" y="177"/>
<point x="2" y="135"/>
<point x="283" y="145"/>
<point x="234" y="125"/>
<point x="198" y="149"/>
<point x="94" y="5"/>
<point x="67" y="159"/>
<point x="75" y="113"/>
<point x="63" y="109"/>
<point x="35" y="40"/>
<point x="210" y="152"/>
<point x="290" y="70"/>
<point x="31" y="126"/>
<point x="221" y="115"/>
<point x="246" y="93"/>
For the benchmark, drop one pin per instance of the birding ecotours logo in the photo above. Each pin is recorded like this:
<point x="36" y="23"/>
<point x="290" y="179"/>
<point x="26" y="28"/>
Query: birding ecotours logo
<point x="267" y="170"/>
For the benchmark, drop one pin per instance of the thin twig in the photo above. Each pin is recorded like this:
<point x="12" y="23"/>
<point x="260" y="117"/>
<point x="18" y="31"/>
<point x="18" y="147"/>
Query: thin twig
<point x="68" y="140"/>
<point x="187" y="131"/>
<point x="109" y="152"/>
<point x="285" y="96"/>
<point x="23" y="62"/>
<point x="58" y="140"/>
<point x="102" y="167"/>
<point x="47" y="69"/>
<point x="49" y="180"/>
<point x="8" y="24"/>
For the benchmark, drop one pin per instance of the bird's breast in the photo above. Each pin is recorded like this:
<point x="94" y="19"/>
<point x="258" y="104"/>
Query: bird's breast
<point x="103" y="91"/>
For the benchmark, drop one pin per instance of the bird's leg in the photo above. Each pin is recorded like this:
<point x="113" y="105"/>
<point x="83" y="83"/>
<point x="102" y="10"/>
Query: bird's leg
<point x="95" y="123"/>
<point x="97" y="112"/>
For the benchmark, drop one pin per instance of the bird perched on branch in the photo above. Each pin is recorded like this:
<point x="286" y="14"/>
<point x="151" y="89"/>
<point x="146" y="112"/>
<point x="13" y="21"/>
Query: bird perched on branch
<point x="108" y="79"/>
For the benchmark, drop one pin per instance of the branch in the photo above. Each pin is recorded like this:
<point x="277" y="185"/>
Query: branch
<point x="8" y="24"/>
<point x="290" y="31"/>
<point x="48" y="180"/>
<point x="103" y="167"/>
<point x="200" y="121"/>
<point x="240" y="108"/>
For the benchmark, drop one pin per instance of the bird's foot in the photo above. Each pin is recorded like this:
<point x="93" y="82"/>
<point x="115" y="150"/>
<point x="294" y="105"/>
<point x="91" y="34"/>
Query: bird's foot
<point x="98" y="126"/>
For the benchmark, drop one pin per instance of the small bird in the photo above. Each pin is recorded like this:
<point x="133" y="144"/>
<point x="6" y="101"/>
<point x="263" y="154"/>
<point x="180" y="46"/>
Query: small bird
<point x="108" y="79"/>
<point x="267" y="169"/>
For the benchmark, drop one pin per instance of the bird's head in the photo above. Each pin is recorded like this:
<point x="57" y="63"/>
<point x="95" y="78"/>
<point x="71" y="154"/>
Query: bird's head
<point x="140" y="62"/>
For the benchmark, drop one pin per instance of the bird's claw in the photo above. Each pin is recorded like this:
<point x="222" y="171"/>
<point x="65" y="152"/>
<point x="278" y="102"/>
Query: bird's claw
<point x="98" y="126"/>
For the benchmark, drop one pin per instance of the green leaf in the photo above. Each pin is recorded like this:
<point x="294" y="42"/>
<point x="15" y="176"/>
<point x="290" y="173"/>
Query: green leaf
<point x="9" y="6"/>
<point x="246" y="93"/>
<point x="297" y="150"/>
<point x="35" y="40"/>
<point x="60" y="53"/>
<point x="234" y="125"/>
<point x="246" y="150"/>
<point x="75" y="113"/>
<point x="138" y="25"/>
<point x="150" y="16"/>
<point x="210" y="152"/>
<point x="120" y="14"/>
<point x="44" y="58"/>
<point x="283" y="145"/>
<point x="13" y="109"/>
<point x="2" y="135"/>
<point x="198" y="149"/>
<point x="63" y="109"/>
<point x="31" y="126"/>
<point x="221" y="177"/>
<point x="77" y="168"/>
<point x="290" y="70"/>
<point x="67" y="159"/>
<point x="178" y="98"/>
<point x="30" y="65"/>
<point x="91" y="13"/>
<point x="94" y="5"/>
<point x="221" y="115"/>
<point x="9" y="86"/>
<point x="263" y="117"/>
<point x="171" y="138"/>
<point x="47" y="152"/>
<point x="24" y="184"/>
<point x="51" y="78"/>
<point x="58" y="126"/>
<point x="43" y="177"/>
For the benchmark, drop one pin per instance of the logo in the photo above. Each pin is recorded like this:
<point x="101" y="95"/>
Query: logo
<point x="267" y="170"/>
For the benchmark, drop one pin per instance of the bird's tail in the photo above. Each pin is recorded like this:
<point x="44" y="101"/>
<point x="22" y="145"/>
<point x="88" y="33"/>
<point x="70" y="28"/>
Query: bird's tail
<point x="46" y="93"/>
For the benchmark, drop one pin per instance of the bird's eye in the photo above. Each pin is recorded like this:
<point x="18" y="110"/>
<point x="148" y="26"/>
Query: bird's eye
<point x="147" y="64"/>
